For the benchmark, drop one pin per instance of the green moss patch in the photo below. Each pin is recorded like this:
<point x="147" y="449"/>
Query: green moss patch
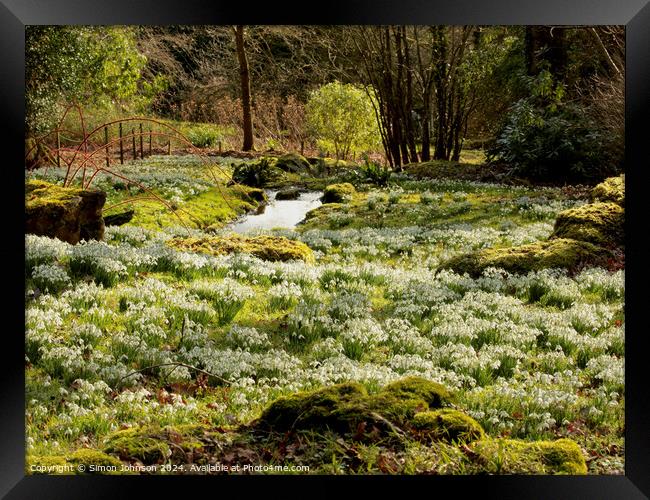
<point x="508" y="456"/>
<point x="39" y="193"/>
<point x="347" y="408"/>
<point x="556" y="253"/>
<point x="611" y="190"/>
<point x="273" y="248"/>
<point x="212" y="208"/>
<point x="259" y="173"/>
<point x="434" y="394"/>
<point x="256" y="194"/>
<point x="70" y="214"/>
<point x="151" y="444"/>
<point x="338" y="193"/>
<point x="312" y="409"/>
<point x="598" y="223"/>
<point x="447" y="425"/>
<point x="293" y="162"/>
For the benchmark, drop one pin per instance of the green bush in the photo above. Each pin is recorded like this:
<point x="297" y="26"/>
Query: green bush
<point x="375" y="173"/>
<point x="203" y="136"/>
<point x="256" y="174"/>
<point x="342" y="117"/>
<point x="546" y="138"/>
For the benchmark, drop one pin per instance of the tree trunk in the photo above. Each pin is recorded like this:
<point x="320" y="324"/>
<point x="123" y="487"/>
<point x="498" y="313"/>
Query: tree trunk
<point x="409" y="99"/>
<point x="546" y="45"/>
<point x="426" y="145"/>
<point x="245" y="89"/>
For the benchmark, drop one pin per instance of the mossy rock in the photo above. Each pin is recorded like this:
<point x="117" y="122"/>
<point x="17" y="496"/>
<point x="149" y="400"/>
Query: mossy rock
<point x="256" y="194"/>
<point x="345" y="408"/>
<point x="309" y="409"/>
<point x="136" y="443"/>
<point x="69" y="214"/>
<point x="119" y="219"/>
<point x="258" y="173"/>
<point x="434" y="394"/>
<point x="273" y="248"/>
<point x="383" y="411"/>
<point x="288" y="194"/>
<point x="447" y="425"/>
<point x="610" y="190"/>
<point x="562" y="253"/>
<point x="338" y="193"/>
<point x="330" y="163"/>
<point x="509" y="456"/>
<point x="293" y="162"/>
<point x="152" y="444"/>
<point x="598" y="223"/>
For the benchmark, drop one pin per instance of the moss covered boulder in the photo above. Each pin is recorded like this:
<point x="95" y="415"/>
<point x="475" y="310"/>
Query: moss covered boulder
<point x="338" y="193"/>
<point x="259" y="173"/>
<point x="447" y="424"/>
<point x="347" y="408"/>
<point x="600" y="223"/>
<point x="510" y="456"/>
<point x="273" y="248"/>
<point x="119" y="219"/>
<point x="562" y="253"/>
<point x="152" y="444"/>
<point x="610" y="190"/>
<point x="256" y="194"/>
<point x="69" y="214"/>
<point x="288" y="194"/>
<point x="326" y="165"/>
<point x="434" y="394"/>
<point x="293" y="162"/>
<point x="309" y="409"/>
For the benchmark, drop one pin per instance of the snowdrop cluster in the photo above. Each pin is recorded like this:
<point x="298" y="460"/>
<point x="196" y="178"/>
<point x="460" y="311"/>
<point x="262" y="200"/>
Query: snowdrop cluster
<point x="50" y="278"/>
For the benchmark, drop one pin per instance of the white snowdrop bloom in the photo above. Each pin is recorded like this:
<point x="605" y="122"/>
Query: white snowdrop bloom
<point x="284" y="294"/>
<point x="327" y="348"/>
<point x="42" y="250"/>
<point x="248" y="338"/>
<point x="609" y="369"/>
<point x="50" y="277"/>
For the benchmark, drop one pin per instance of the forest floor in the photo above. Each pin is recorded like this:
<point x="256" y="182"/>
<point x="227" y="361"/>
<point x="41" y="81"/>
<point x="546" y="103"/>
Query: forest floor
<point x="181" y="348"/>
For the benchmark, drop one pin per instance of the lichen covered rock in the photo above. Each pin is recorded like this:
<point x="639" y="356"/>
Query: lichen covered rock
<point x="273" y="248"/>
<point x="611" y="190"/>
<point x="510" y="456"/>
<point x="562" y="253"/>
<point x="338" y="193"/>
<point x="69" y="214"/>
<point x="598" y="223"/>
<point x="447" y="425"/>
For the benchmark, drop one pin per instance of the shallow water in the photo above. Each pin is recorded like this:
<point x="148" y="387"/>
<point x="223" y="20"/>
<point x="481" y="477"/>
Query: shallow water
<point x="279" y="213"/>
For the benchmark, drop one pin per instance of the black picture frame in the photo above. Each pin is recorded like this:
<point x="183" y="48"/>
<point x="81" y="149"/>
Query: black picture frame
<point x="16" y="14"/>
